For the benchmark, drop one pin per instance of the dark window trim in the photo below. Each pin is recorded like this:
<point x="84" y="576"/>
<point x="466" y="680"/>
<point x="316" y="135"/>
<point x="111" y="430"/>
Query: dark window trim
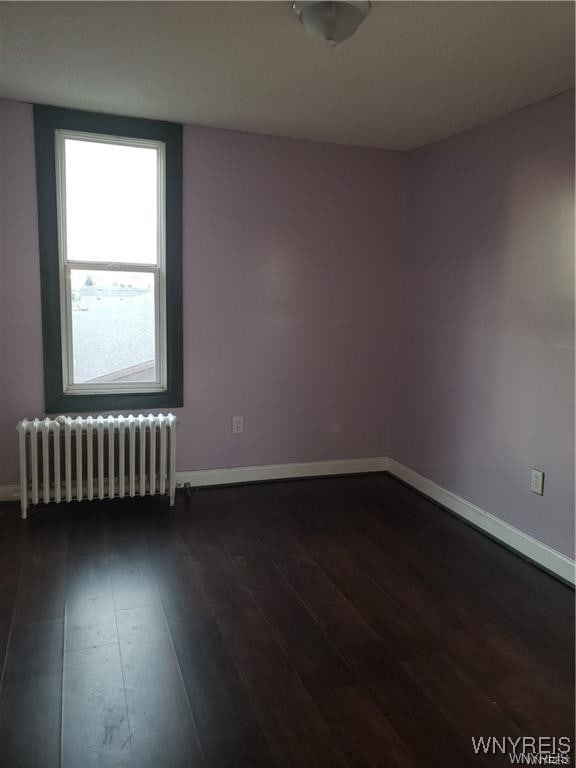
<point x="46" y="121"/>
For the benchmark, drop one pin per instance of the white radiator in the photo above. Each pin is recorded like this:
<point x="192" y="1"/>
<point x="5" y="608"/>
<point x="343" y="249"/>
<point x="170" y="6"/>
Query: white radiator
<point x="68" y="459"/>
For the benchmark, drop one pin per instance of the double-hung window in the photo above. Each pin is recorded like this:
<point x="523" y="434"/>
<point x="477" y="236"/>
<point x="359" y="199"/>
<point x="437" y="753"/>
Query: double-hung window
<point x="109" y="201"/>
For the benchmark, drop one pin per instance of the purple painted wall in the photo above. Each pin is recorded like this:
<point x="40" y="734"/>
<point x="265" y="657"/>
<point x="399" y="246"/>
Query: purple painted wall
<point x="2" y="278"/>
<point x="20" y="326"/>
<point x="485" y="319"/>
<point x="289" y="247"/>
<point x="287" y="285"/>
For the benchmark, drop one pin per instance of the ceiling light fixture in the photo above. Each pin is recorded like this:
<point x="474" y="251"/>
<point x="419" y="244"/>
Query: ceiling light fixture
<point x="331" y="22"/>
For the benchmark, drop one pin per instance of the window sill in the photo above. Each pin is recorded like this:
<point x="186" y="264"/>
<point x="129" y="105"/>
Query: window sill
<point x="104" y="403"/>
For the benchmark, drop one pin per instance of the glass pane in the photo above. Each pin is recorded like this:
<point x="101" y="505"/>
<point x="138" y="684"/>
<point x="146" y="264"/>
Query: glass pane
<point x="111" y="202"/>
<point x="113" y="327"/>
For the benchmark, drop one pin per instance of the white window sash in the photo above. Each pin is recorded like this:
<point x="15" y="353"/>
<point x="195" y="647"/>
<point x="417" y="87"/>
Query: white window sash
<point x="66" y="265"/>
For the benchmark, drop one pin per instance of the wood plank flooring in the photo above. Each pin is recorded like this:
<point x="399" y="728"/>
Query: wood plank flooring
<point x="330" y="623"/>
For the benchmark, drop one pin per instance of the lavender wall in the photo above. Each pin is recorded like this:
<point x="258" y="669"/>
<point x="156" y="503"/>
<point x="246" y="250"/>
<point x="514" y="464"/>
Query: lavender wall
<point x="288" y="253"/>
<point x="2" y="279"/>
<point x="289" y="247"/>
<point x="20" y="325"/>
<point x="485" y="319"/>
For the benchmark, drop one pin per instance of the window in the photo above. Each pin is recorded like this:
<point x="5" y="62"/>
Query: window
<point x="109" y="204"/>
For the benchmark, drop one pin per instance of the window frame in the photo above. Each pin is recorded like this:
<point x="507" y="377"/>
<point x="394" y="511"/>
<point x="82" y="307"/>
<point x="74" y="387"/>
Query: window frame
<point x="66" y="266"/>
<point x="50" y="125"/>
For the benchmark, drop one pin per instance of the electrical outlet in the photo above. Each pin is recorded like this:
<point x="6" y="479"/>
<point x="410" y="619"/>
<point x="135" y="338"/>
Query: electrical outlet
<point x="537" y="482"/>
<point x="237" y="425"/>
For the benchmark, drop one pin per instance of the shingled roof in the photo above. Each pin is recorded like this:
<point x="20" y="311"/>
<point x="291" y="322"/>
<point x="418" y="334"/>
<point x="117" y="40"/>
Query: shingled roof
<point x="112" y="333"/>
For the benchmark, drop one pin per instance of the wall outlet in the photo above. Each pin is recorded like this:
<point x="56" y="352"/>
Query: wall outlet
<point x="537" y="482"/>
<point x="237" y="425"/>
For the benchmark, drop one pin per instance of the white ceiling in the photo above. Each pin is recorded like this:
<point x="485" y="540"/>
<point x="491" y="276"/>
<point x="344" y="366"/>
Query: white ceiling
<point x="415" y="72"/>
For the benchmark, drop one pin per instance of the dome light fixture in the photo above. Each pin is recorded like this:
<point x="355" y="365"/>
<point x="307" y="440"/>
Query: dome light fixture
<point x="332" y="22"/>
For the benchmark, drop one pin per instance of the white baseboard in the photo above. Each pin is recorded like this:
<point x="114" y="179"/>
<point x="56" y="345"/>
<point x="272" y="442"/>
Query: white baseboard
<point x="231" y="475"/>
<point x="9" y="492"/>
<point x="523" y="543"/>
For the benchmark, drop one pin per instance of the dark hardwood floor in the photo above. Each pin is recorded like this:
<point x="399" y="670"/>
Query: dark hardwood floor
<point x="311" y="624"/>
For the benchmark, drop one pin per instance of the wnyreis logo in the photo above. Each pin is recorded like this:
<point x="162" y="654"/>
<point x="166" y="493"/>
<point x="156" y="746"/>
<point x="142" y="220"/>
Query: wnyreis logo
<point x="526" y="750"/>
